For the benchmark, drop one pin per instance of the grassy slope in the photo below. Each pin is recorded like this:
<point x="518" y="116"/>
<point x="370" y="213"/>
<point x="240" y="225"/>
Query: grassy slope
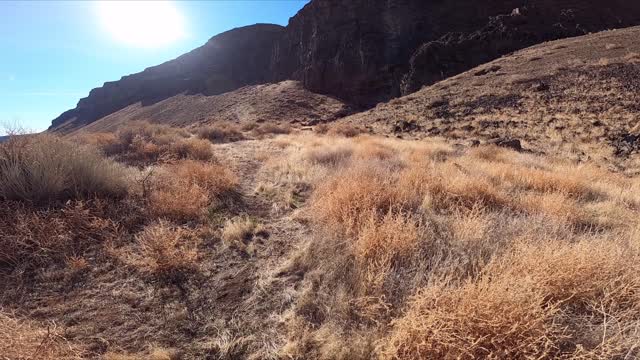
<point x="573" y="98"/>
<point x="331" y="247"/>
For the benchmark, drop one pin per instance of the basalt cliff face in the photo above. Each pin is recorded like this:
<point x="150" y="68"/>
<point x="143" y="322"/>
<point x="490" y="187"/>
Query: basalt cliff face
<point x="360" y="51"/>
<point x="226" y="62"/>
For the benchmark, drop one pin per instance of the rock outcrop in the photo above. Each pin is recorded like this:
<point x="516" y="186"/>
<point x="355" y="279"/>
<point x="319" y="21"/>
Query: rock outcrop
<point x="361" y="51"/>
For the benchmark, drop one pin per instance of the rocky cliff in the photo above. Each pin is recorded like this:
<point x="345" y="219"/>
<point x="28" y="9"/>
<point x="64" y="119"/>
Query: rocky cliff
<point x="361" y="51"/>
<point x="226" y="62"/>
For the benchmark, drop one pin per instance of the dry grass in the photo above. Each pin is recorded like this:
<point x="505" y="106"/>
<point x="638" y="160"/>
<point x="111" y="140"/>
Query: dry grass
<point x="164" y="250"/>
<point x="381" y="248"/>
<point x="238" y="232"/>
<point x="272" y="129"/>
<point x="221" y="133"/>
<point x="32" y="237"/>
<point x="21" y="339"/>
<point x="187" y="189"/>
<point x="194" y="149"/>
<point x="43" y="168"/>
<point x="345" y="129"/>
<point x="143" y="143"/>
<point x="151" y="354"/>
<point x="431" y="253"/>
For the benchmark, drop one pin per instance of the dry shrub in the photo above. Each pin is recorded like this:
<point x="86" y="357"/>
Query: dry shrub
<point x="545" y="181"/>
<point x="194" y="149"/>
<point x="143" y="143"/>
<point x="346" y="130"/>
<point x="382" y="244"/>
<point x="237" y="232"/>
<point x="185" y="190"/>
<point x="164" y="250"/>
<point x="221" y="133"/>
<point x="151" y="354"/>
<point x="42" y="168"/>
<point x="454" y="188"/>
<point x="348" y="200"/>
<point x="481" y="320"/>
<point x="478" y="254"/>
<point x="329" y="156"/>
<point x="272" y="129"/>
<point x="101" y="140"/>
<point x="548" y="300"/>
<point x="20" y="339"/>
<point x="31" y="237"/>
<point x="321" y="128"/>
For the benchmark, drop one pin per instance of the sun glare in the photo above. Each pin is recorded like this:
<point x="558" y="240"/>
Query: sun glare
<point x="148" y="24"/>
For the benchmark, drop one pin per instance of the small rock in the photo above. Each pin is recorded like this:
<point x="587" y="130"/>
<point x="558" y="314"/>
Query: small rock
<point x="405" y="125"/>
<point x="514" y="144"/>
<point x="541" y="86"/>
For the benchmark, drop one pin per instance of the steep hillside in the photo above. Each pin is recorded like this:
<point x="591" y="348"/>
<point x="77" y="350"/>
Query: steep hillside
<point x="369" y="51"/>
<point x="575" y="97"/>
<point x="226" y="62"/>
<point x="286" y="102"/>
<point x="360" y="51"/>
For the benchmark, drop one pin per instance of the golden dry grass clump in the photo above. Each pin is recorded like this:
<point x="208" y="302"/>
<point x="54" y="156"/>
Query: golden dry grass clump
<point x="187" y="189"/>
<point x="143" y="143"/>
<point x="26" y="340"/>
<point x="164" y="250"/>
<point x="424" y="251"/>
<point x="221" y="133"/>
<point x="41" y="168"/>
<point x="269" y="128"/>
<point x="239" y="231"/>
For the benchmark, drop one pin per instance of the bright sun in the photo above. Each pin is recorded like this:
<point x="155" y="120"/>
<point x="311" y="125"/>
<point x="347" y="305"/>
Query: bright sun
<point x="148" y="24"/>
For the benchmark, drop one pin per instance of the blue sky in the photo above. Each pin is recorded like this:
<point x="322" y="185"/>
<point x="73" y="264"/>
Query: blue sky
<point x="54" y="53"/>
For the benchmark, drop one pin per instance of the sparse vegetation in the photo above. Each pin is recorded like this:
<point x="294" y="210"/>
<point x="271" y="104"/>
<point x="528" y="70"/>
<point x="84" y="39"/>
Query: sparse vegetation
<point x="22" y="339"/>
<point x="345" y="129"/>
<point x="399" y="250"/>
<point x="143" y="143"/>
<point x="238" y="232"/>
<point x="41" y="168"/>
<point x="221" y="133"/>
<point x="435" y="259"/>
<point x="272" y="129"/>
<point x="185" y="190"/>
<point x="164" y="250"/>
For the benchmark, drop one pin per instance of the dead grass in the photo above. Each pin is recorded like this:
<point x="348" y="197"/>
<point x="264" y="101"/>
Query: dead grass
<point x="346" y="130"/>
<point x="188" y="189"/>
<point x="272" y="129"/>
<point x="431" y="253"/>
<point x="548" y="300"/>
<point x="194" y="149"/>
<point x="31" y="237"/>
<point x="43" y="168"/>
<point x="164" y="250"/>
<point x="381" y="248"/>
<point x="238" y="232"/>
<point x="143" y="143"/>
<point x="221" y="133"/>
<point x="21" y="339"/>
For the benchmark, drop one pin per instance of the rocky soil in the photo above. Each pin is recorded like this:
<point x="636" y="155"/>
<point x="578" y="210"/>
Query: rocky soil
<point x="576" y="97"/>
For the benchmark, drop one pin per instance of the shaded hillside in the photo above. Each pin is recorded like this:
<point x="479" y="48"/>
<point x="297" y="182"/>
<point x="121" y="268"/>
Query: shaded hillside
<point x="577" y="97"/>
<point x="226" y="62"/>
<point x="287" y="102"/>
<point x="360" y="51"/>
<point x="370" y="51"/>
